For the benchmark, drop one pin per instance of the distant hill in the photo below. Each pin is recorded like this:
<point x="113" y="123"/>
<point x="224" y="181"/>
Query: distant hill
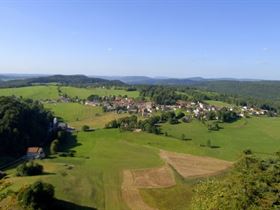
<point x="261" y="89"/>
<point x="7" y="77"/>
<point x="75" y="80"/>
<point x="143" y="80"/>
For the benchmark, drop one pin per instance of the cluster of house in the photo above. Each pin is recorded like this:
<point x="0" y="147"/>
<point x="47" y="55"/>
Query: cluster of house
<point x="196" y="109"/>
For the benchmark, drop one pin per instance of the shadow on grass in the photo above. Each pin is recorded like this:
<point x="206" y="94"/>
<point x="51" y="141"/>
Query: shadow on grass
<point x="69" y="142"/>
<point x="66" y="205"/>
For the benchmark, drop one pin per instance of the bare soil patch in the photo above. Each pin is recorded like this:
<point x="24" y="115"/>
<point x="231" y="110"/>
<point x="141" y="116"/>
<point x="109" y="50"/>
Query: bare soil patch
<point x="190" y="166"/>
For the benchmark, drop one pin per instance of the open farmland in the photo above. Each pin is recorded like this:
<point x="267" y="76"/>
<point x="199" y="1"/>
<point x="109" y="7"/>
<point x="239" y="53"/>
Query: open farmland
<point x="261" y="135"/>
<point x="77" y="115"/>
<point x="97" y="167"/>
<point x="83" y="93"/>
<point x="34" y="92"/>
<point x="219" y="104"/>
<point x="97" y="171"/>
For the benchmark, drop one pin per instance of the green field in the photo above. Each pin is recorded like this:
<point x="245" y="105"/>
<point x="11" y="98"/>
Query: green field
<point x="41" y="92"/>
<point x="93" y="177"/>
<point x="83" y="93"/>
<point x="261" y="135"/>
<point x="77" y="115"/>
<point x="33" y="92"/>
<point x="96" y="177"/>
<point x="101" y="156"/>
<point x="219" y="104"/>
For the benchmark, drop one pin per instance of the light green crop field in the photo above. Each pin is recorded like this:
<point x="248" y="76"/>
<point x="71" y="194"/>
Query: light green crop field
<point x="77" y="115"/>
<point x="261" y="135"/>
<point x="33" y="92"/>
<point x="85" y="92"/>
<point x="218" y="103"/>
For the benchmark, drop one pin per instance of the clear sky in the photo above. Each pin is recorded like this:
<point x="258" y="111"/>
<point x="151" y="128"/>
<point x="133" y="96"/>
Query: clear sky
<point x="218" y="38"/>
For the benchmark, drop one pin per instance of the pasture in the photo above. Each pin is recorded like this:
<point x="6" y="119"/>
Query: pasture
<point x="260" y="134"/>
<point x="39" y="92"/>
<point x="83" y="93"/>
<point x="219" y="104"/>
<point x="77" y="115"/>
<point x="95" y="177"/>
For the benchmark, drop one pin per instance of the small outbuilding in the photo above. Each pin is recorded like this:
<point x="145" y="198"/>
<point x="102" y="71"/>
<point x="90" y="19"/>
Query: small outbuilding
<point x="35" y="153"/>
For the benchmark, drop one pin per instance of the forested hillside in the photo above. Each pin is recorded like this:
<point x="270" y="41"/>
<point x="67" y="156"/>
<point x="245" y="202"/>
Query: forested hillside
<point x="74" y="80"/>
<point x="23" y="123"/>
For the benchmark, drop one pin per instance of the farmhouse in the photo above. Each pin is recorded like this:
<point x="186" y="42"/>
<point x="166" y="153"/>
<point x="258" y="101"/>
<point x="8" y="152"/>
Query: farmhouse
<point x="35" y="153"/>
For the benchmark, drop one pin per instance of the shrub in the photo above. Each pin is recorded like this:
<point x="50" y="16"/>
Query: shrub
<point x="29" y="169"/>
<point x="36" y="196"/>
<point x="54" y="146"/>
<point x="85" y="128"/>
<point x="180" y="115"/>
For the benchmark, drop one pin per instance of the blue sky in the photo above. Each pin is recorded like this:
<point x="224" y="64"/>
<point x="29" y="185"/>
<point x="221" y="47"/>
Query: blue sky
<point x="230" y="38"/>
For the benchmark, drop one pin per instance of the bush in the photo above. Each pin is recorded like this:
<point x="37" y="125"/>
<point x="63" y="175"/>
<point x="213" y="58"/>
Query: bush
<point x="29" y="169"/>
<point x="36" y="196"/>
<point x="54" y="146"/>
<point x="85" y="128"/>
<point x="180" y="115"/>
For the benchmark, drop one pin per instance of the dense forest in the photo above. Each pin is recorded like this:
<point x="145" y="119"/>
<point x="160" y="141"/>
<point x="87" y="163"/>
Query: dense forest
<point x="23" y="123"/>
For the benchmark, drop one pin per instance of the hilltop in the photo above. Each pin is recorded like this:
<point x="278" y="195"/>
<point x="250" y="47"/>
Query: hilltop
<point x="75" y="80"/>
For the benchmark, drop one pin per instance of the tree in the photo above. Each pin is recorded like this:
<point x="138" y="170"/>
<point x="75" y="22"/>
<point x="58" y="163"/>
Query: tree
<point x="180" y="115"/>
<point x="54" y="146"/>
<point x="24" y="123"/>
<point x="29" y="169"/>
<point x="85" y="128"/>
<point x="253" y="184"/>
<point x="36" y="196"/>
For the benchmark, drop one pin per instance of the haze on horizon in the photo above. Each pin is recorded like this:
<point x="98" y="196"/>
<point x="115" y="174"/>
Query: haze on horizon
<point x="211" y="39"/>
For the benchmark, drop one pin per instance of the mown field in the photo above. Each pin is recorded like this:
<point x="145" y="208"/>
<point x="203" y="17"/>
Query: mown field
<point x="83" y="93"/>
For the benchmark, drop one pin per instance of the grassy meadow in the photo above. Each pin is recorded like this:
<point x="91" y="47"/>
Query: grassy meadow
<point x="96" y="174"/>
<point x="261" y="135"/>
<point x="93" y="177"/>
<point x="39" y="92"/>
<point x="77" y="115"/>
<point x="220" y="104"/>
<point x="83" y="93"/>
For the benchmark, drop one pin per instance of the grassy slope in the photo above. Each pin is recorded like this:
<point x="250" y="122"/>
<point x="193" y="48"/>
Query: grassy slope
<point x="85" y="92"/>
<point x="101" y="156"/>
<point x="96" y="177"/>
<point x="78" y="115"/>
<point x="218" y="103"/>
<point x="259" y="134"/>
<point x="34" y="92"/>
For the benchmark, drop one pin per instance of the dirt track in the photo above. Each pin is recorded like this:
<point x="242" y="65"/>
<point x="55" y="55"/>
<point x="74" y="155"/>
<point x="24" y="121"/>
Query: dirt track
<point x="190" y="166"/>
